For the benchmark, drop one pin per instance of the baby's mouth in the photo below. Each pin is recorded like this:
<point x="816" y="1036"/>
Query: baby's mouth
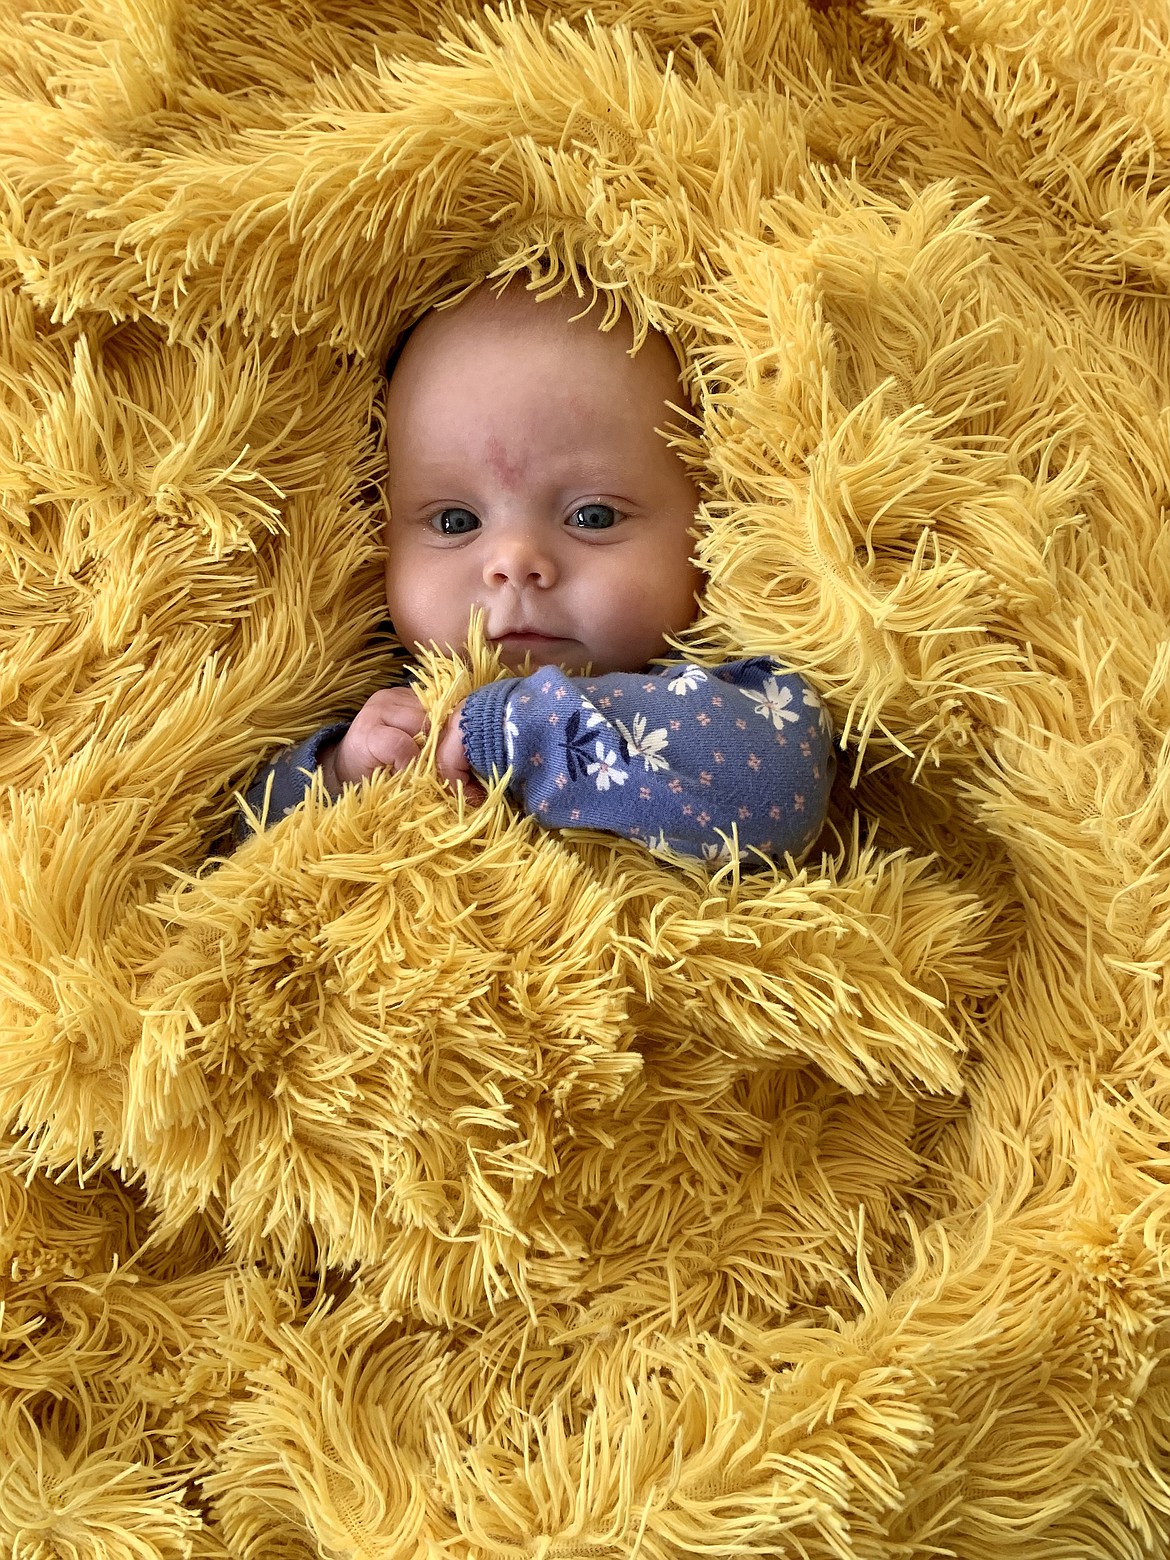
<point x="526" y="636"/>
<point x="529" y="648"/>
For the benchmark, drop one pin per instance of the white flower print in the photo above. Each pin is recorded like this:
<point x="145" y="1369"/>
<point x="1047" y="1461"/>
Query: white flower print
<point x="595" y="717"/>
<point x="718" y="854"/>
<point x="772" y="701"/>
<point x="511" y="732"/>
<point x="643" y="744"/>
<point x="687" y="680"/>
<point x="606" y="768"/>
<point x="812" y="702"/>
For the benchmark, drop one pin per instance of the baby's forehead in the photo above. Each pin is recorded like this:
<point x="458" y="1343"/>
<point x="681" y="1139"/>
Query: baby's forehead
<point x="517" y="321"/>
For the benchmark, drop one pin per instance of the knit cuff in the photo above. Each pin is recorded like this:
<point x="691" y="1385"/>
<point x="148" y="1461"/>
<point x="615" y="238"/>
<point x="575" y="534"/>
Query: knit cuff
<point x="481" y="724"/>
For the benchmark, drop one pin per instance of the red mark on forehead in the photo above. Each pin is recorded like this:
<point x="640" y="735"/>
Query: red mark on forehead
<point x="505" y="467"/>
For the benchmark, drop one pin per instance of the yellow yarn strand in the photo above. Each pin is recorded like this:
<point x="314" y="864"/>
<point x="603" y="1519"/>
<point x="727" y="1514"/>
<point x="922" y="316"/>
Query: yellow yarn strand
<point x="413" y="1181"/>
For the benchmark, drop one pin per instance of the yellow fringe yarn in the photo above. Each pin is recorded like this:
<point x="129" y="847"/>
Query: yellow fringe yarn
<point x="414" y="1181"/>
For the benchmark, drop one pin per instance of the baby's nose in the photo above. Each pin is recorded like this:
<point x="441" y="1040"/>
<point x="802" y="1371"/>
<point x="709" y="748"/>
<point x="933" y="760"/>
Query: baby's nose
<point x="520" y="555"/>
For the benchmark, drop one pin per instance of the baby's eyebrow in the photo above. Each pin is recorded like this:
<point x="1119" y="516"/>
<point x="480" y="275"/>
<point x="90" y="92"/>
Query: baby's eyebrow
<point x="438" y="501"/>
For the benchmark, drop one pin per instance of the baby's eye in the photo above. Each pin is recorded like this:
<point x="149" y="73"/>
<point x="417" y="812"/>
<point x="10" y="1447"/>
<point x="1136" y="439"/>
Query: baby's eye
<point x="594" y="517"/>
<point x="454" y="522"/>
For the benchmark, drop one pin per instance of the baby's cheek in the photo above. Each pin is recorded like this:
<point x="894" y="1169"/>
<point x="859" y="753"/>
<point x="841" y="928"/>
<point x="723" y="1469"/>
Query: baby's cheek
<point x="623" y="629"/>
<point x="423" y="603"/>
<point x="662" y="592"/>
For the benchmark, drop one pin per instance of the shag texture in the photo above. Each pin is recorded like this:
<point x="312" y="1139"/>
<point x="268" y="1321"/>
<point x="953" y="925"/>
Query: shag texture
<point x="415" y="1182"/>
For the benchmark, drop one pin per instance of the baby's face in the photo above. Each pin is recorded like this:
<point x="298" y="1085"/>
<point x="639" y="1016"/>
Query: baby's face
<point x="526" y="477"/>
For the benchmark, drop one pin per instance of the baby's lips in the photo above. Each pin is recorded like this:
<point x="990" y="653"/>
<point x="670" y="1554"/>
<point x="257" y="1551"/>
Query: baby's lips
<point x="523" y="633"/>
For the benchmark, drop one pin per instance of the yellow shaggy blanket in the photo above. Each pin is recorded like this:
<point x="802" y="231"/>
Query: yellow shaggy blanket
<point x="418" y="1183"/>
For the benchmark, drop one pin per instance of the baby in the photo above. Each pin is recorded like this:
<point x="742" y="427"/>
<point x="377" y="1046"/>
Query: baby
<point x="528" y="477"/>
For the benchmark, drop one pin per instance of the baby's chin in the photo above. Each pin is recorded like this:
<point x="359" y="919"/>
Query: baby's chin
<point x="528" y="661"/>
<point x="582" y="662"/>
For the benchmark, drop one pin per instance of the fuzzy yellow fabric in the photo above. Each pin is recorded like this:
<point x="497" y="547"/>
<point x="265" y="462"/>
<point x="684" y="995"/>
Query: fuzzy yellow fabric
<point x="417" y="1182"/>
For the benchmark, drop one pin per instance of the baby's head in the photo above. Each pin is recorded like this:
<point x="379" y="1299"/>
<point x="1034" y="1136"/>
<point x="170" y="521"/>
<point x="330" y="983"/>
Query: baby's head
<point x="527" y="477"/>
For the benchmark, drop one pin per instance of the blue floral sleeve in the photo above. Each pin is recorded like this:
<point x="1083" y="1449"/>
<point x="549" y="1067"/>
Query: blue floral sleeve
<point x="677" y="758"/>
<point x="285" y="781"/>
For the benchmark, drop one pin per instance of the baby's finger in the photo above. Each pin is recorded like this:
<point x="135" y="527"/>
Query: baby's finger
<point x="398" y="707"/>
<point x="391" y="747"/>
<point x="459" y="777"/>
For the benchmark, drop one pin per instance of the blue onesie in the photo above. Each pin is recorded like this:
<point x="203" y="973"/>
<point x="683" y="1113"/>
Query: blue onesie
<point x="670" y="756"/>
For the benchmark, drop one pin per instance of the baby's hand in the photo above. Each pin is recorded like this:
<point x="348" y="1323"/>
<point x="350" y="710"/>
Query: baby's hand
<point x="381" y="737"/>
<point x="451" y="760"/>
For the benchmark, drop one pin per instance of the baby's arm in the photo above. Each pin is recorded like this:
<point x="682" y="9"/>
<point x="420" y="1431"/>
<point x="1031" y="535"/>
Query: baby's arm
<point x="665" y="757"/>
<point x="381" y="736"/>
<point x="662" y="757"/>
<point x="288" y="779"/>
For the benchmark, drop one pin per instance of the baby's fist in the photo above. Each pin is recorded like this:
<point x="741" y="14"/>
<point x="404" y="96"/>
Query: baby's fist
<point x="451" y="758"/>
<point x="381" y="737"/>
